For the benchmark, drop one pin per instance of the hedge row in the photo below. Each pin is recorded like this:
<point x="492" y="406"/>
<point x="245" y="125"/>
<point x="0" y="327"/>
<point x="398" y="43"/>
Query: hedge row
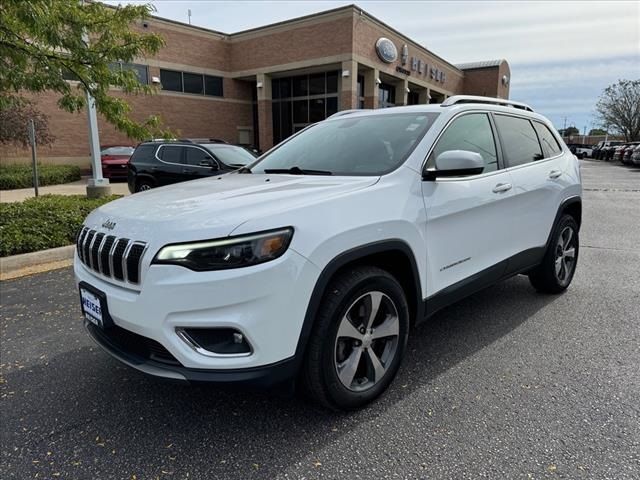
<point x="21" y="176"/>
<point x="45" y="222"/>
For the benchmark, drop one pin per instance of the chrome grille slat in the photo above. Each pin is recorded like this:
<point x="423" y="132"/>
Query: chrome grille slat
<point x="109" y="255"/>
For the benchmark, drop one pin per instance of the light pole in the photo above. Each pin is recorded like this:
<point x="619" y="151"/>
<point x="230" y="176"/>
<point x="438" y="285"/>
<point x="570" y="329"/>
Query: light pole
<point x="97" y="185"/>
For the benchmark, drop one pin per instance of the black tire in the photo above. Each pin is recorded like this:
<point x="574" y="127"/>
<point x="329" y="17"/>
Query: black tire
<point x="144" y="184"/>
<point x="546" y="278"/>
<point x="319" y="376"/>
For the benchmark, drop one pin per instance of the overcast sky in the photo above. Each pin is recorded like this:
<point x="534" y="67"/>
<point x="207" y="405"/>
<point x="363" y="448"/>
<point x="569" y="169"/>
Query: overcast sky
<point x="562" y="54"/>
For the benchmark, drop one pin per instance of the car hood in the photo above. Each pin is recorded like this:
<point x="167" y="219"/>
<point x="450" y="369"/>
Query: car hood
<point x="215" y="206"/>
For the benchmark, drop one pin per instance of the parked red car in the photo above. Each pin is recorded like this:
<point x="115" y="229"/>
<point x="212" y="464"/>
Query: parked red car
<point x="114" y="160"/>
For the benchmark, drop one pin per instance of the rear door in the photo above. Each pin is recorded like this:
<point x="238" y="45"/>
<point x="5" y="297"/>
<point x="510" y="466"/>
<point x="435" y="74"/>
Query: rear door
<point x="468" y="230"/>
<point x="537" y="164"/>
<point x="169" y="167"/>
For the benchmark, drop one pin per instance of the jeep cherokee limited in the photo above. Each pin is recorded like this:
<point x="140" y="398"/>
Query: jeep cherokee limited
<point x="314" y="261"/>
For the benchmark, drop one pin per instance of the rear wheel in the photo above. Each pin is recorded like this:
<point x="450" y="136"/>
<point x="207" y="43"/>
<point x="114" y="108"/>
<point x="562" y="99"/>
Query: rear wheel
<point x="358" y="340"/>
<point x="556" y="271"/>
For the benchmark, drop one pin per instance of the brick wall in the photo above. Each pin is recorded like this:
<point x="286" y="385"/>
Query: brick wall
<point x="313" y="40"/>
<point x="487" y="81"/>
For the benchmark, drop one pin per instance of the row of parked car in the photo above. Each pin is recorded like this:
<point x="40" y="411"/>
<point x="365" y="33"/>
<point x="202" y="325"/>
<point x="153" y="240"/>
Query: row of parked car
<point x="157" y="163"/>
<point x="626" y="152"/>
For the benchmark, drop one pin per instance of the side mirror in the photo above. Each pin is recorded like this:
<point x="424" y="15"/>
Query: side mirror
<point x="206" y="163"/>
<point x="455" y="163"/>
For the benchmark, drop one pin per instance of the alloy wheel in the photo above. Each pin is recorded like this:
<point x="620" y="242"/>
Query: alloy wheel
<point x="565" y="260"/>
<point x="367" y="341"/>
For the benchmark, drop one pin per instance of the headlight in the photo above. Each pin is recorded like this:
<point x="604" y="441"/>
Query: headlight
<point x="224" y="253"/>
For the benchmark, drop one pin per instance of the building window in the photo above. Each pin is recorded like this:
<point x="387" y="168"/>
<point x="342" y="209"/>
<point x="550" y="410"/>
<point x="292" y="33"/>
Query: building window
<point x="192" y="83"/>
<point x="386" y="95"/>
<point x="301" y="100"/>
<point x="171" y="80"/>
<point x="188" y="82"/>
<point x="413" y="98"/>
<point x="213" y="86"/>
<point x="141" y="71"/>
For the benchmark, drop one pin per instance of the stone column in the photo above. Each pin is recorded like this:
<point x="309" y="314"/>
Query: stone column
<point x="401" y="91"/>
<point x="371" y="88"/>
<point x="424" y="96"/>
<point x="349" y="85"/>
<point x="265" y="117"/>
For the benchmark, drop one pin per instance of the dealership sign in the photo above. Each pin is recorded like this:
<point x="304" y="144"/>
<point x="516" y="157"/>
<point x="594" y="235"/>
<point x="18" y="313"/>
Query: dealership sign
<point x="386" y="50"/>
<point x="388" y="53"/>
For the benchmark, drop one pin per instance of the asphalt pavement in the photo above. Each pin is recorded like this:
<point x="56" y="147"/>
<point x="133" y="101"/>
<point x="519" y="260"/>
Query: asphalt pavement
<point x="506" y="384"/>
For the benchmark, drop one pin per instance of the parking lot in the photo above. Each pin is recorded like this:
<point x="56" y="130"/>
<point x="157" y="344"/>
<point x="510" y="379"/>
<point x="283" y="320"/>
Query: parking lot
<point x="506" y="384"/>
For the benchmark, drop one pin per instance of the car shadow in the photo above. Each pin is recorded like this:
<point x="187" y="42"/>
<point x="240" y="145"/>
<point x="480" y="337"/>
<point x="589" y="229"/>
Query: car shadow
<point x="88" y="408"/>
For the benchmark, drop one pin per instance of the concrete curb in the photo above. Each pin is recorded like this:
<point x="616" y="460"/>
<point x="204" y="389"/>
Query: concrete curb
<point x="27" y="263"/>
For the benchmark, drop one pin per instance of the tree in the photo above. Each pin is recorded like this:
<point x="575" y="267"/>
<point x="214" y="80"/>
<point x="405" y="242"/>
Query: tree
<point x="569" y="131"/>
<point x="14" y="119"/>
<point x="597" y="132"/>
<point x="619" y="107"/>
<point x="43" y="43"/>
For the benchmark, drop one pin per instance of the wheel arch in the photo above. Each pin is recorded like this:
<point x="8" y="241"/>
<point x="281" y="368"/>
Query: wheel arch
<point x="569" y="206"/>
<point x="394" y="256"/>
<point x="145" y="176"/>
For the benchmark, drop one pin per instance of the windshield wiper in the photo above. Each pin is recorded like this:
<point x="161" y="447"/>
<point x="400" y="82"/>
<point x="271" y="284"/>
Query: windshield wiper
<point x="297" y="171"/>
<point x="243" y="169"/>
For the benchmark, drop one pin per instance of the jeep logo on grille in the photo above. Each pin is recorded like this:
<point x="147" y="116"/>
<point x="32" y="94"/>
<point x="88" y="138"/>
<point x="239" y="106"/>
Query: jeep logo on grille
<point x="109" y="225"/>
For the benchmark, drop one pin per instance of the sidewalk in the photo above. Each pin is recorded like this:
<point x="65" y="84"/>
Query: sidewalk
<point x="74" y="188"/>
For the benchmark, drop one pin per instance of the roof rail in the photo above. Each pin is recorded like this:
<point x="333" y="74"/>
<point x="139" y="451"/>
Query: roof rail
<point x="459" y="99"/>
<point x="347" y="112"/>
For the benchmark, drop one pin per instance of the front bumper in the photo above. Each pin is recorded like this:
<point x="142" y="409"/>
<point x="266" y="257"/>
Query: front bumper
<point x="261" y="377"/>
<point x="267" y="303"/>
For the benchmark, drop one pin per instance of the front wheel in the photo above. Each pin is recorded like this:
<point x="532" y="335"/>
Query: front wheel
<point x="143" y="185"/>
<point x="558" y="266"/>
<point x="358" y="340"/>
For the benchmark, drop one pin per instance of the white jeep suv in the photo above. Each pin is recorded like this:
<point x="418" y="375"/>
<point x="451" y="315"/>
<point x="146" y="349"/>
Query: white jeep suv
<point x="315" y="262"/>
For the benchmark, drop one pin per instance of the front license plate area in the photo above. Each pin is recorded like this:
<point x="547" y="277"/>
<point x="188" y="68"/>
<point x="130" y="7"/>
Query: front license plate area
<point x="94" y="306"/>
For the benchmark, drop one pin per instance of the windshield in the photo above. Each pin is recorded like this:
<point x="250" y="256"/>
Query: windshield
<point x="230" y="154"/>
<point x="117" y="151"/>
<point x="367" y="145"/>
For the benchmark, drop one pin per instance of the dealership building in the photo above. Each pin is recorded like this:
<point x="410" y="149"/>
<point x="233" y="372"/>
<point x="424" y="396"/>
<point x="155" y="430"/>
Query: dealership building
<point x="258" y="86"/>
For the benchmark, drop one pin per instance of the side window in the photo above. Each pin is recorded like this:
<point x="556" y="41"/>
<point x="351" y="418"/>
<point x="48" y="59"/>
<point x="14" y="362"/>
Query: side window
<point x="549" y="143"/>
<point x="195" y="156"/>
<point x="519" y="140"/>
<point x="470" y="132"/>
<point x="171" y="154"/>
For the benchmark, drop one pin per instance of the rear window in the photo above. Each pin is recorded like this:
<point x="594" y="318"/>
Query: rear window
<point x="519" y="140"/>
<point x="549" y="143"/>
<point x="142" y="153"/>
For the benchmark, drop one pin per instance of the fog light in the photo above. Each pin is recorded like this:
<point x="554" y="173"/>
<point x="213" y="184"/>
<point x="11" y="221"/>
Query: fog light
<point x="215" y="341"/>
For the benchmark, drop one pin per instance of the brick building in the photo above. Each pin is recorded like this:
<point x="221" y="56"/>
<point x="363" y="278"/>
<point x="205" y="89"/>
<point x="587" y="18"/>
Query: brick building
<point x="258" y="86"/>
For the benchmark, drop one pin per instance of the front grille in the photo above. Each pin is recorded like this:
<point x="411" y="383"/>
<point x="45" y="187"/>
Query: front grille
<point x="133" y="343"/>
<point x="113" y="257"/>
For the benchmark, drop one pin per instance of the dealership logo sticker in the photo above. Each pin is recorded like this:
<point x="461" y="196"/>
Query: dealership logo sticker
<point x="387" y="51"/>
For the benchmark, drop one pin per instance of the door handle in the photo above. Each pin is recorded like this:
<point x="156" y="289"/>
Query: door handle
<point x="555" y="173"/>
<point x="187" y="170"/>
<point x="502" y="187"/>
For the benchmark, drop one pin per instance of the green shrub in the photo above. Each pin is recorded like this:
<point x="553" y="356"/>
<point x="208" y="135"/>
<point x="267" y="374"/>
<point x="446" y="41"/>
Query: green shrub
<point x="44" y="222"/>
<point x="21" y="176"/>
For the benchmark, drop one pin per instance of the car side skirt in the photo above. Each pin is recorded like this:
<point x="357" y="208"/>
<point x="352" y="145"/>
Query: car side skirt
<point x="507" y="268"/>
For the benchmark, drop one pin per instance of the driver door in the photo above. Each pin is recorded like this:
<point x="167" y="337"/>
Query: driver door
<point x="198" y="164"/>
<point x="469" y="218"/>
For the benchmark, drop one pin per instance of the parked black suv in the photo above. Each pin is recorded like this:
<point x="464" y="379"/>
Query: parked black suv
<point x="157" y="163"/>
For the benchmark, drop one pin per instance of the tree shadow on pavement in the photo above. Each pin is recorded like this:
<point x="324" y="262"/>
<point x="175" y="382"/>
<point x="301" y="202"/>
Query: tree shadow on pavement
<point x="91" y="417"/>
